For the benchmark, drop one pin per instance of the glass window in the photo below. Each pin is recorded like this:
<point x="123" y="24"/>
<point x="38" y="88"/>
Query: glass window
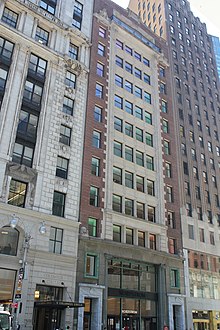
<point x="94" y="196"/>
<point x="23" y="154"/>
<point x="146" y="61"/>
<point x="99" y="91"/>
<point x="137" y="73"/>
<point x="77" y="15"/>
<point x="116" y="233"/>
<point x="118" y="124"/>
<point x="98" y="114"/>
<point x="129" y="129"/>
<point x="49" y="5"/>
<point x="166" y="145"/>
<point x="58" y="204"/>
<point x="148" y="117"/>
<point x="139" y="134"/>
<point x="117" y="149"/>
<point x="129" y="153"/>
<point x="151" y="213"/>
<point x="147" y="97"/>
<point x="68" y="105"/>
<point x="139" y="158"/>
<point x="129" y="180"/>
<point x="96" y="139"/>
<point x="118" y="101"/>
<point x="9" y="17"/>
<point x="137" y="56"/>
<point x="117" y="203"/>
<point x="7" y="280"/>
<point x="150" y="187"/>
<point x="62" y="167"/>
<point x="140" y="210"/>
<point x="91" y="265"/>
<point x="100" y="69"/>
<point x="95" y="168"/>
<point x="129" y="107"/>
<point x="129" y="206"/>
<point x="119" y="61"/>
<point x="37" y="65"/>
<point x="138" y="112"/>
<point x="174" y="278"/>
<point x="102" y="32"/>
<point x="172" y="245"/>
<point x="141" y="238"/>
<point x="118" y="81"/>
<point x="70" y="80"/>
<point x="101" y="49"/>
<point x="92" y="227"/>
<point x="138" y="92"/>
<point x="149" y="139"/>
<point x="129" y="236"/>
<point x="27" y="125"/>
<point x="119" y="44"/>
<point x="128" y="86"/>
<point x="150" y="163"/>
<point x="147" y="78"/>
<point x="33" y="93"/>
<point x="73" y="51"/>
<point x="8" y="241"/>
<point x="164" y="106"/>
<point x="56" y="240"/>
<point x="65" y="135"/>
<point x="6" y="48"/>
<point x="140" y="183"/>
<point x="117" y="175"/>
<point x="42" y="36"/>
<point x="152" y="242"/>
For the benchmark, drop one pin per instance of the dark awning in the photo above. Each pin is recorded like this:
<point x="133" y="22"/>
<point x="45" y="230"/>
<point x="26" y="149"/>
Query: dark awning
<point x="58" y="304"/>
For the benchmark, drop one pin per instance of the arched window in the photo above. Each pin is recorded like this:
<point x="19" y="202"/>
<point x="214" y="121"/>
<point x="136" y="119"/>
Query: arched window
<point x="8" y="240"/>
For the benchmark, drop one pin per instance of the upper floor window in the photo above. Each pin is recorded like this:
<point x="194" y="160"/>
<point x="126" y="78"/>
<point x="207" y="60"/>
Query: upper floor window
<point x="6" y="48"/>
<point x="62" y="167"/>
<point x="99" y="91"/>
<point x="42" y="36"/>
<point x="92" y="227"/>
<point x="17" y="193"/>
<point x="27" y="125"/>
<point x="37" y="65"/>
<point x="9" y="241"/>
<point x="65" y="135"/>
<point x="70" y="79"/>
<point x="3" y="78"/>
<point x="77" y="15"/>
<point x="73" y="51"/>
<point x="9" y="17"/>
<point x="68" y="105"/>
<point x="102" y="32"/>
<point x="56" y="240"/>
<point x="23" y="154"/>
<point x="49" y="5"/>
<point x="33" y="92"/>
<point x="58" y="204"/>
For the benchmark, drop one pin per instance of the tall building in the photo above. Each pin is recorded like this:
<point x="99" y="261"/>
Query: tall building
<point x="216" y="46"/>
<point x="130" y="265"/>
<point x="44" y="58"/>
<point x="195" y="95"/>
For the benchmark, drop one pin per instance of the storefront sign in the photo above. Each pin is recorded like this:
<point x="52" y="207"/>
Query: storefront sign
<point x="127" y="311"/>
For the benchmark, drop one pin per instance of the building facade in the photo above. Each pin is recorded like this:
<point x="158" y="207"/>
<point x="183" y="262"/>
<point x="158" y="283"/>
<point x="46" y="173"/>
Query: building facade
<point x="195" y="94"/>
<point x="44" y="60"/>
<point x="216" y="47"/>
<point x="130" y="272"/>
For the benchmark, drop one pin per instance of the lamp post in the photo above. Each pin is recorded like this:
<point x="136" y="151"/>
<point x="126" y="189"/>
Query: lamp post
<point x="26" y="245"/>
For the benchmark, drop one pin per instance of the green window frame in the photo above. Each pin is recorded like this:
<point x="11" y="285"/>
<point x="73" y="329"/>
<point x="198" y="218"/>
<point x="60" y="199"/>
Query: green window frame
<point x="91" y="269"/>
<point x="174" y="278"/>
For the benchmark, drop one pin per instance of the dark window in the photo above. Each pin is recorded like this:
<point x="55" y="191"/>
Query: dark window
<point x="152" y="241"/>
<point x="9" y="17"/>
<point x="49" y="5"/>
<point x="8" y="240"/>
<point x="129" y="153"/>
<point x="94" y="196"/>
<point x="140" y="210"/>
<point x="98" y="114"/>
<point x="65" y="135"/>
<point x="23" y="154"/>
<point x="17" y="193"/>
<point x="116" y="233"/>
<point x="68" y="105"/>
<point x="3" y="78"/>
<point x="129" y="207"/>
<point x="141" y="238"/>
<point x="150" y="163"/>
<point x="117" y="149"/>
<point x="95" y="168"/>
<point x="73" y="51"/>
<point x="117" y="203"/>
<point x="96" y="139"/>
<point x="70" y="80"/>
<point x="37" y="65"/>
<point x="151" y="214"/>
<point x="140" y="183"/>
<point x="56" y="239"/>
<point x="42" y="36"/>
<point x="6" y="48"/>
<point x="62" y="167"/>
<point x="92" y="227"/>
<point x="77" y="15"/>
<point x="58" y="204"/>
<point x="33" y="92"/>
<point x="129" y="236"/>
<point x="27" y="125"/>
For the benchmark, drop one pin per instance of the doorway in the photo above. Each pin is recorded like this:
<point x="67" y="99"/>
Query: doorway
<point x="47" y="318"/>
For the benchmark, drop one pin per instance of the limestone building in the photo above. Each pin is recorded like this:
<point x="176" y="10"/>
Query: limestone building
<point x="44" y="59"/>
<point x="195" y="94"/>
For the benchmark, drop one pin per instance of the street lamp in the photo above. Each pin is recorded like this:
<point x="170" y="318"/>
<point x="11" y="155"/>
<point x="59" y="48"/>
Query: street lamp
<point x="26" y="244"/>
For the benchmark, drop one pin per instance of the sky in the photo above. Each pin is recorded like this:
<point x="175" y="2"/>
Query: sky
<point x="207" y="10"/>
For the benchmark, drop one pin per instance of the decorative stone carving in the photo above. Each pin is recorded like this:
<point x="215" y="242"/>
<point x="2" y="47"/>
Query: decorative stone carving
<point x="21" y="172"/>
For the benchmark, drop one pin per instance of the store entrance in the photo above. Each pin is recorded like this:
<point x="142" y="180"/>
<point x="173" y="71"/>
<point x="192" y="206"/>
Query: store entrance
<point x="47" y="319"/>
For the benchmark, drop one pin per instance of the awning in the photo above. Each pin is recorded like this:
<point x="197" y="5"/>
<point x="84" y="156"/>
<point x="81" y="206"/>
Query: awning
<point x="58" y="304"/>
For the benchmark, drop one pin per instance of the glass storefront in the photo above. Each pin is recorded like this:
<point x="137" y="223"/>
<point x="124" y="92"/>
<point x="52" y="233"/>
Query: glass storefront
<point x="7" y="283"/>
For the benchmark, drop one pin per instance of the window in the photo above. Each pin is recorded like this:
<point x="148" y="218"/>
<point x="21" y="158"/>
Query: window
<point x="42" y="36"/>
<point x="129" y="129"/>
<point x="49" y="5"/>
<point x="199" y="212"/>
<point x="138" y="92"/>
<point x="73" y="51"/>
<point x="146" y="61"/>
<point x="9" y="17"/>
<point x="117" y="203"/>
<point x="118" y="124"/>
<point x="129" y="207"/>
<point x="172" y="245"/>
<point x="32" y="93"/>
<point x="212" y="238"/>
<point x="162" y="88"/>
<point x="202" y="235"/>
<point x="9" y="240"/>
<point x="58" y="204"/>
<point x="95" y="166"/>
<point x="129" y="236"/>
<point x="128" y="86"/>
<point x="99" y="91"/>
<point x="100" y="69"/>
<point x="101" y="51"/>
<point x="56" y="239"/>
<point x="6" y="48"/>
<point x="118" y="149"/>
<point x="65" y="135"/>
<point x="116" y="233"/>
<point x="17" y="193"/>
<point x="171" y="219"/>
<point x="77" y="15"/>
<point x="91" y="265"/>
<point x="140" y="210"/>
<point x="139" y="183"/>
<point x="23" y="154"/>
<point x="129" y="180"/>
<point x="148" y="117"/>
<point x="165" y="126"/>
<point x="147" y="97"/>
<point x="118" y="81"/>
<point x="151" y="214"/>
<point x="195" y="172"/>
<point x="70" y="80"/>
<point x="188" y="209"/>
<point x="169" y="194"/>
<point x="150" y="163"/>
<point x="146" y="78"/>
<point x="197" y="192"/>
<point x="96" y="139"/>
<point x="149" y="139"/>
<point x="137" y="56"/>
<point x="37" y="65"/>
<point x="98" y="114"/>
<point x="94" y="196"/>
<point x="118" y="102"/>
<point x="102" y="32"/>
<point x="68" y="105"/>
<point x="141" y="238"/>
<point x="152" y="242"/>
<point x="168" y="172"/>
<point x="117" y="175"/>
<point x="129" y="153"/>
<point x="27" y="125"/>
<point x="128" y="67"/>
<point x="119" y="44"/>
<point x="139" y="134"/>
<point x="164" y="106"/>
<point x="137" y="73"/>
<point x="62" y="167"/>
<point x="191" y="231"/>
<point x="166" y="145"/>
<point x="138" y="112"/>
<point x="150" y="188"/>
<point x="139" y="158"/>
<point x="92" y="227"/>
<point x="174" y="278"/>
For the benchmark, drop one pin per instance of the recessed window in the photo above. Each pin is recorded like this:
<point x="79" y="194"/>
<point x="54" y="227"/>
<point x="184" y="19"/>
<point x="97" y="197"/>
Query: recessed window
<point x="27" y="125"/>
<point x="100" y="69"/>
<point x="166" y="145"/>
<point x="152" y="242"/>
<point x="129" y="206"/>
<point x="70" y="80"/>
<point x="139" y="183"/>
<point x="147" y="97"/>
<point x="42" y="36"/>
<point x="149" y="139"/>
<point x="117" y="203"/>
<point x="139" y="158"/>
<point x="6" y="48"/>
<point x="37" y="65"/>
<point x="23" y="154"/>
<point x="129" y="236"/>
<point x="128" y="67"/>
<point x="117" y="149"/>
<point x="33" y="93"/>
<point x="65" y="135"/>
<point x="172" y="245"/>
<point x="102" y="32"/>
<point x="148" y="118"/>
<point x="138" y="112"/>
<point x="95" y="168"/>
<point x="94" y="196"/>
<point x="118" y="124"/>
<point x="17" y="193"/>
<point x="146" y="78"/>
<point x="129" y="154"/>
<point x="68" y="105"/>
<point x="9" y="17"/>
<point x="129" y="179"/>
<point x="49" y="5"/>
<point x="116" y="233"/>
<point x="117" y="175"/>
<point x="98" y="114"/>
<point x="150" y="187"/>
<point x="56" y="240"/>
<point x="96" y="139"/>
<point x="146" y="61"/>
<point x="58" y="204"/>
<point x="140" y="210"/>
<point x="99" y="91"/>
<point x="151" y="213"/>
<point x="91" y="265"/>
<point x="141" y="238"/>
<point x="119" y="61"/>
<point x="174" y="278"/>
<point x="101" y="49"/>
<point x="77" y="15"/>
<point x="73" y="51"/>
<point x="62" y="167"/>
<point x="92" y="227"/>
<point x="150" y="163"/>
<point x="191" y="232"/>
<point x="9" y="240"/>
<point x="139" y="134"/>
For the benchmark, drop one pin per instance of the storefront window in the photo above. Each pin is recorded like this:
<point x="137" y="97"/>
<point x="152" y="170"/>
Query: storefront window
<point x="7" y="281"/>
<point x="8" y="241"/>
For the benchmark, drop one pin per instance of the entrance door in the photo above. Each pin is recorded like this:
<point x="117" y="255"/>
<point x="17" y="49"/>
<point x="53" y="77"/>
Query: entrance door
<point x="47" y="319"/>
<point x="130" y="322"/>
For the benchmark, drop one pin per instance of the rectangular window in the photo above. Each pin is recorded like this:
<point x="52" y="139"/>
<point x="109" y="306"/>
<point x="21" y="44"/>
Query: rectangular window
<point x="70" y="80"/>
<point x="94" y="196"/>
<point x="116" y="233"/>
<point x="56" y="240"/>
<point x="147" y="78"/>
<point x="118" y="124"/>
<point x="148" y="118"/>
<point x="169" y="194"/>
<point x="172" y="245"/>
<point x="191" y="232"/>
<point x="58" y="204"/>
<point x="117" y="175"/>
<point x="129" y="236"/>
<point x="100" y="69"/>
<point x="128" y="50"/>
<point x="118" y="81"/>
<point x="119" y="44"/>
<point x="129" y="207"/>
<point x="138" y="112"/>
<point x="168" y="172"/>
<point x="102" y="32"/>
<point x="17" y="193"/>
<point x="117" y="149"/>
<point x="6" y="49"/>
<point x="23" y="154"/>
<point x="98" y="114"/>
<point x="164" y="106"/>
<point x="152" y="242"/>
<point x="33" y="93"/>
<point x="37" y="66"/>
<point x="129" y="67"/>
<point x="166" y="145"/>
<point x="42" y="36"/>
<point x="68" y="105"/>
<point x="137" y="73"/>
<point x="146" y="61"/>
<point x="129" y="107"/>
<point x="141" y="238"/>
<point x="118" y="102"/>
<point x="96" y="139"/>
<point x="129" y="180"/>
<point x="150" y="162"/>
<point x="65" y="135"/>
<point x="99" y="91"/>
<point x="73" y="51"/>
<point x="137" y="56"/>
<point x="49" y="6"/>
<point x="147" y="97"/>
<point x="91" y="265"/>
<point x="151" y="214"/>
<point x="9" y="17"/>
<point x="101" y="50"/>
<point x="129" y="153"/>
<point x="150" y="187"/>
<point x="27" y="126"/>
<point x="140" y="210"/>
<point x="92" y="227"/>
<point x="77" y="15"/>
<point x="128" y="86"/>
<point x="62" y="167"/>
<point x="117" y="203"/>
<point x="139" y="158"/>
<point x="95" y="168"/>
<point x="129" y="129"/>
<point x="171" y="219"/>
<point x="139" y="134"/>
<point x="149" y="139"/>
<point x="174" y="278"/>
<point x="139" y="183"/>
<point x="138" y="92"/>
<point x="202" y="235"/>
